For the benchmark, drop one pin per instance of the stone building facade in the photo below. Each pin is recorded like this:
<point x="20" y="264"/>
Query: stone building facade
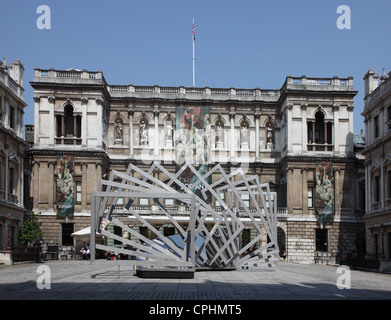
<point x="12" y="145"/>
<point x="294" y="138"/>
<point x="377" y="113"/>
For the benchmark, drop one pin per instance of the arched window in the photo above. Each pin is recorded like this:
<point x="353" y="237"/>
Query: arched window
<point x="68" y="127"/>
<point x="320" y="133"/>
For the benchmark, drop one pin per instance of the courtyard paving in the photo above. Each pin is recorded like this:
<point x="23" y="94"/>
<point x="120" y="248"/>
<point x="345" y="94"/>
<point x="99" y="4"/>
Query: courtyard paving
<point x="105" y="280"/>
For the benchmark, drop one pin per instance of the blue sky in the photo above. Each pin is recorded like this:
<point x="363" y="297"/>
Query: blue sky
<point x="244" y="44"/>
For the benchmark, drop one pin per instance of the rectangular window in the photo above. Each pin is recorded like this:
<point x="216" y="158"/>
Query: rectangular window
<point x="78" y="191"/>
<point x="246" y="200"/>
<point x="376" y="126"/>
<point x="389" y="245"/>
<point x="389" y="183"/>
<point x="321" y="240"/>
<point x="120" y="201"/>
<point x="222" y="198"/>
<point x="11" y="178"/>
<point x="118" y="232"/>
<point x="144" y="201"/>
<point x="376" y="189"/>
<point x="11" y="118"/>
<point x="310" y="192"/>
<point x="169" y="202"/>
<point x="66" y="231"/>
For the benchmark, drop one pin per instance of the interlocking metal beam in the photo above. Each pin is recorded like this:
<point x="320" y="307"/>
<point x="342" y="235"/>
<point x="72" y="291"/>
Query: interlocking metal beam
<point x="208" y="238"/>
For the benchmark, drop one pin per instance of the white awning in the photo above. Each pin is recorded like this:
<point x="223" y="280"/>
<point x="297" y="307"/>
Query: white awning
<point x="82" y="232"/>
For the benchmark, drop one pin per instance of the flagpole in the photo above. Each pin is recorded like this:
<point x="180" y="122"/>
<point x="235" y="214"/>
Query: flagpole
<point x="193" y="54"/>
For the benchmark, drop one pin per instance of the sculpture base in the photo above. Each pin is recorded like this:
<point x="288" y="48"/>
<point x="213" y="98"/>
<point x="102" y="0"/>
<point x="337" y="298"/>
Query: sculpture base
<point x="165" y="274"/>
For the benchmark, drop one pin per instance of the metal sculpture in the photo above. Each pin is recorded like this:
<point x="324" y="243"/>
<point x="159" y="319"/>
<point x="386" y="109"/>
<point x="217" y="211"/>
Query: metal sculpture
<point x="206" y="236"/>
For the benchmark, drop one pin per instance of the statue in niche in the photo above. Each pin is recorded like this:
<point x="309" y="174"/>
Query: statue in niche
<point x="219" y="136"/>
<point x="270" y="133"/>
<point x="169" y="130"/>
<point x="118" y="130"/>
<point x="244" y="134"/>
<point x="143" y="133"/>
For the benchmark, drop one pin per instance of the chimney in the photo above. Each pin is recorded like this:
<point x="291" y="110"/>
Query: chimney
<point x="383" y="76"/>
<point x="371" y="81"/>
<point x="16" y="72"/>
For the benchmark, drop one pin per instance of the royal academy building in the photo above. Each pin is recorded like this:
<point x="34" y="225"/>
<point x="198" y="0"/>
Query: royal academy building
<point x="12" y="147"/>
<point x="299" y="139"/>
<point x="377" y="113"/>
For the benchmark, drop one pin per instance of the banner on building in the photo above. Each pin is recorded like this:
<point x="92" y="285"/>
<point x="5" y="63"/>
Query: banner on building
<point x="324" y="192"/>
<point x="65" y="186"/>
<point x="193" y="135"/>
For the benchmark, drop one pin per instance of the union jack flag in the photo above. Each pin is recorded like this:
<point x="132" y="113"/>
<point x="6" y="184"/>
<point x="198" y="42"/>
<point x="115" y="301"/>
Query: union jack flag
<point x="193" y="31"/>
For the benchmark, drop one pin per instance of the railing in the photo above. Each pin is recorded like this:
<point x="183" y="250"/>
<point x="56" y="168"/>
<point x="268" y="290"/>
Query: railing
<point x="178" y="209"/>
<point x="2" y="194"/>
<point x="320" y="147"/>
<point x="68" y="74"/>
<point x="68" y="141"/>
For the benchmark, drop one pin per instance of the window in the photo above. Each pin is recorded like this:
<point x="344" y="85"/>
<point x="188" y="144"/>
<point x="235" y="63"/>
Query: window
<point x="118" y="232"/>
<point x="169" y="202"/>
<point x="376" y="189"/>
<point x="376" y="126"/>
<point x="321" y="240"/>
<point x="120" y="201"/>
<point x="78" y="191"/>
<point x="11" y="118"/>
<point x="246" y="199"/>
<point x="222" y="198"/>
<point x="168" y="231"/>
<point x="389" y="183"/>
<point x="144" y="201"/>
<point x="310" y="192"/>
<point x="68" y="126"/>
<point x="11" y="179"/>
<point x="66" y="231"/>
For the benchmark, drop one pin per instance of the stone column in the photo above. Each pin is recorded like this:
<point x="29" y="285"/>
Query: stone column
<point x="156" y="132"/>
<point x="84" y="104"/>
<point x="51" y="101"/>
<point x="288" y="189"/>
<point x="52" y="190"/>
<point x="232" y="134"/>
<point x="336" y="128"/>
<point x="84" y="182"/>
<point x="100" y="109"/>
<point x="36" y="119"/>
<point x="130" y="117"/>
<point x="305" y="190"/>
<point x="289" y="129"/>
<point x="257" y="115"/>
<point x="304" y="127"/>
<point x="35" y="184"/>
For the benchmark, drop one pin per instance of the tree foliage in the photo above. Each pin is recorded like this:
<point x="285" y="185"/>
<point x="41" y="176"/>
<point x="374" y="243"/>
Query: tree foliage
<point x="31" y="229"/>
